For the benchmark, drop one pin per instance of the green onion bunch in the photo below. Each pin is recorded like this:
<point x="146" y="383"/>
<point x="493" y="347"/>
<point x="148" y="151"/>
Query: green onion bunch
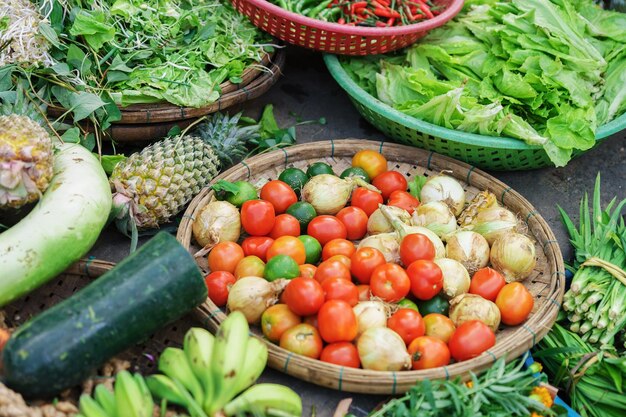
<point x="594" y="379"/>
<point x="596" y="301"/>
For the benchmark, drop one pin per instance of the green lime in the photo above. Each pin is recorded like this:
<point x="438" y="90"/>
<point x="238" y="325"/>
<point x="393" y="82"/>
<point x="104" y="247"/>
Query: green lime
<point x="302" y="211"/>
<point x="437" y="304"/>
<point x="281" y="266"/>
<point x="295" y="178"/>
<point x="355" y="172"/>
<point x="318" y="168"/>
<point x="406" y="303"/>
<point x="312" y="248"/>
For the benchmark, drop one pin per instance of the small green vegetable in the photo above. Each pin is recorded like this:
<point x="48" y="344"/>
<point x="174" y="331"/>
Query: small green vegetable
<point x="235" y="193"/>
<point x="437" y="304"/>
<point x="304" y="212"/>
<point x="355" y="172"/>
<point x="295" y="178"/>
<point x="318" y="168"/>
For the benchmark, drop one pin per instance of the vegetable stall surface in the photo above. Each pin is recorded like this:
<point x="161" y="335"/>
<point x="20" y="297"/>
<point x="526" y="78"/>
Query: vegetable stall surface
<point x="372" y="13"/>
<point x="106" y="53"/>
<point x="543" y="71"/>
<point x="70" y="215"/>
<point x="60" y="347"/>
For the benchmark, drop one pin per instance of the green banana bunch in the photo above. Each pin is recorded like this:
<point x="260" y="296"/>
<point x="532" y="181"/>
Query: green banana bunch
<point x="131" y="398"/>
<point x="209" y="372"/>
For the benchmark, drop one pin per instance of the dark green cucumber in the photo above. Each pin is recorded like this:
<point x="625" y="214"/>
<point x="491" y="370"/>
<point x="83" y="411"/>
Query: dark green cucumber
<point x="60" y="347"/>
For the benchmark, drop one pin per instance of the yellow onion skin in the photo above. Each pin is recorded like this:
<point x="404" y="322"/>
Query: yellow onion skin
<point x="218" y="221"/>
<point x="514" y="256"/>
<point x="470" y="249"/>
<point x="456" y="279"/>
<point x="378" y="222"/>
<point x="387" y="243"/>
<point x="435" y="216"/>
<point x="494" y="222"/>
<point x="382" y="349"/>
<point x="370" y="314"/>
<point x="328" y="194"/>
<point x="467" y="307"/>
<point x="444" y="188"/>
<point x="253" y="295"/>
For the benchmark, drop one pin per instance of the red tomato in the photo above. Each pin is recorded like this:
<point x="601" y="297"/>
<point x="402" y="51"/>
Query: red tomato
<point x="218" y="284"/>
<point x="470" y="340"/>
<point x="341" y="258"/>
<point x="390" y="282"/>
<point x="331" y="269"/>
<point x="439" y="326"/>
<point x="302" y="339"/>
<point x="371" y="161"/>
<point x="338" y="247"/>
<point x="257" y="246"/>
<point x="390" y="181"/>
<point x="304" y="296"/>
<point x="225" y="256"/>
<point x="307" y="270"/>
<point x="428" y="352"/>
<point x="326" y="228"/>
<point x="342" y="354"/>
<point x="366" y="200"/>
<point x="337" y="322"/>
<point x="407" y="323"/>
<point x="285" y="225"/>
<point x="515" y="303"/>
<point x="257" y="217"/>
<point x="280" y="194"/>
<point x="355" y="221"/>
<point x="364" y="292"/>
<point x="426" y="279"/>
<point x="487" y="283"/>
<point x="416" y="246"/>
<point x="340" y="289"/>
<point x="403" y="200"/>
<point x="364" y="261"/>
<point x="276" y="320"/>
<point x="290" y="246"/>
<point x="250" y="266"/>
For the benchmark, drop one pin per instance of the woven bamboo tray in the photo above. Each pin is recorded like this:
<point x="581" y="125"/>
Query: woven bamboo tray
<point x="148" y="122"/>
<point x="546" y="282"/>
<point x="142" y="357"/>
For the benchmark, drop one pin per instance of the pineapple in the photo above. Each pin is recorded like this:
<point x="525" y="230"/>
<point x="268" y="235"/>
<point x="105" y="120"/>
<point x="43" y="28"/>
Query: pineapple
<point x="155" y="184"/>
<point x="26" y="161"/>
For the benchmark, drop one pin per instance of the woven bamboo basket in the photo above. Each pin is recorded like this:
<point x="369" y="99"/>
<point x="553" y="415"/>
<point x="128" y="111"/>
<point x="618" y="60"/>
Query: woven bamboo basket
<point x="546" y="282"/>
<point x="142" y="357"/>
<point x="147" y="122"/>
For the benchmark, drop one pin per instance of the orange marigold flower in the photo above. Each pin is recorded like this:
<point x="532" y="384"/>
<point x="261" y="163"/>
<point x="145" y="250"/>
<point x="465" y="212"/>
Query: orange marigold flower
<point x="535" y="415"/>
<point x="542" y="395"/>
<point x="469" y="384"/>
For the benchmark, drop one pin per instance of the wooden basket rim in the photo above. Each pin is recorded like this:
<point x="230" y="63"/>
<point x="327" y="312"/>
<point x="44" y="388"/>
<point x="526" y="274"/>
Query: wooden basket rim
<point x="367" y="381"/>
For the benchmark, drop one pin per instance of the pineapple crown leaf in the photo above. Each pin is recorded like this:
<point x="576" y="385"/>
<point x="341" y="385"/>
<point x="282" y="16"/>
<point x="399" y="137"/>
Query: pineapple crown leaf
<point x="18" y="103"/>
<point x="227" y="137"/>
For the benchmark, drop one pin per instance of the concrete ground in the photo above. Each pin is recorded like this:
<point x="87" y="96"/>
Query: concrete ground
<point x="308" y="91"/>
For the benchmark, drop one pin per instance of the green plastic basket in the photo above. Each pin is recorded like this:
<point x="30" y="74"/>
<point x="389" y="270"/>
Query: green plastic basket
<point x="487" y="152"/>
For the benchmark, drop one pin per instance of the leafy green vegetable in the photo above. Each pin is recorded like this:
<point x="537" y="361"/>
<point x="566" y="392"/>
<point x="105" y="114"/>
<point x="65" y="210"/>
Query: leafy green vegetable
<point x="544" y="71"/>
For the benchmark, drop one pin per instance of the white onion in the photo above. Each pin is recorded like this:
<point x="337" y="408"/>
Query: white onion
<point x="382" y="349"/>
<point x="446" y="189"/>
<point x="470" y="249"/>
<point x="404" y="229"/>
<point x="387" y="243"/>
<point x="513" y="255"/>
<point x="370" y="314"/>
<point x="253" y="295"/>
<point x="378" y="222"/>
<point x="456" y="279"/>
<point x="435" y="216"/>
<point x="328" y="194"/>
<point x="494" y="222"/>
<point x="218" y="221"/>
<point x="467" y="307"/>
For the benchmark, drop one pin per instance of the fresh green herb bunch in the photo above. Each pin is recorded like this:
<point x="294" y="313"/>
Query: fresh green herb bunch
<point x="596" y="300"/>
<point x="595" y="380"/>
<point x="502" y="391"/>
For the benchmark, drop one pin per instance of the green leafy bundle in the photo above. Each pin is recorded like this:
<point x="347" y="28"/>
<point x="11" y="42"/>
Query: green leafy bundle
<point x="501" y="391"/>
<point x="107" y="53"/>
<point x="544" y="71"/>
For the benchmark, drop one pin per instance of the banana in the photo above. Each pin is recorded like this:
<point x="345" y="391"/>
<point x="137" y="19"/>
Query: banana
<point x="266" y="399"/>
<point x="174" y="364"/>
<point x="163" y="387"/>
<point x="128" y="396"/>
<point x="198" y="347"/>
<point x="90" y="408"/>
<point x="146" y="403"/>
<point x="253" y="365"/>
<point x="106" y="399"/>
<point x="229" y="353"/>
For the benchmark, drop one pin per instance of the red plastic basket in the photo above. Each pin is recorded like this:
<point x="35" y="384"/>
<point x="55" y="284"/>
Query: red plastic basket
<point x="335" y="38"/>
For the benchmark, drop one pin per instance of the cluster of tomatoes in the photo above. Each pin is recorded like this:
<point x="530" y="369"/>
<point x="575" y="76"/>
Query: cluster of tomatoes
<point x="329" y="275"/>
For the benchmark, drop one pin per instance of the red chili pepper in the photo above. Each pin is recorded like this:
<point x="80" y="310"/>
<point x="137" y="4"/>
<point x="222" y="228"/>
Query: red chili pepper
<point x="391" y="21"/>
<point x="426" y="10"/>
<point x="341" y="21"/>
<point x="386" y="13"/>
<point x="358" y="5"/>
<point x="380" y="24"/>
